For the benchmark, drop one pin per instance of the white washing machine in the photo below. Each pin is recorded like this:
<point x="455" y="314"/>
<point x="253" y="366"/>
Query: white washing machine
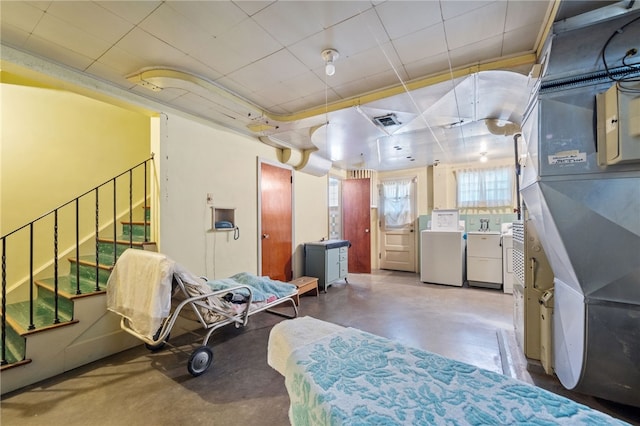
<point x="442" y="257"/>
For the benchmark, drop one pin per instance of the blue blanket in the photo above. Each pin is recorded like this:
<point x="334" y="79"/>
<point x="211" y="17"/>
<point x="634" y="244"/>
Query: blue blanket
<point x="263" y="288"/>
<point x="355" y="378"/>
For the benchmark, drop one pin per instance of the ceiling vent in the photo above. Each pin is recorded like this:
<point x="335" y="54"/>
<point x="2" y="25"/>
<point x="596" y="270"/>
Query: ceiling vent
<point x="387" y="120"/>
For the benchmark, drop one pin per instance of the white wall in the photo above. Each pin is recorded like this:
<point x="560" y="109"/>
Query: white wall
<point x="196" y="159"/>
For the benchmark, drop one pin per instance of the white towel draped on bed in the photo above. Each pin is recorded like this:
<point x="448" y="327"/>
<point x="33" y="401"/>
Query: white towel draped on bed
<point x="139" y="289"/>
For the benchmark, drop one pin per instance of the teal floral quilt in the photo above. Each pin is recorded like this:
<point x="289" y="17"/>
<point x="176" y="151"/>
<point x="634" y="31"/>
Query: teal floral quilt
<point x="356" y="378"/>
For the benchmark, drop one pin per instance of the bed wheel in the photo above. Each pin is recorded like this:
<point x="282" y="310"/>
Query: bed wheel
<point x="200" y="360"/>
<point x="158" y="345"/>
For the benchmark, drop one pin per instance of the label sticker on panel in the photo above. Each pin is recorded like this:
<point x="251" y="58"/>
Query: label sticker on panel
<point x="568" y="157"/>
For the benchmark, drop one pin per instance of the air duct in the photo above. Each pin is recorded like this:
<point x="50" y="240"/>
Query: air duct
<point x="506" y="130"/>
<point x="305" y="161"/>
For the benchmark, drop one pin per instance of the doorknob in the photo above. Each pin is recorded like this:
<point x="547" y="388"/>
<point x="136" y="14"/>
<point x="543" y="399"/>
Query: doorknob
<point x="366" y="230"/>
<point x="265" y="236"/>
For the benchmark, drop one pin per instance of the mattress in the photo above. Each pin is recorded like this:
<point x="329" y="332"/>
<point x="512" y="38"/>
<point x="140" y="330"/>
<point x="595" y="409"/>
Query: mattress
<point x="337" y="376"/>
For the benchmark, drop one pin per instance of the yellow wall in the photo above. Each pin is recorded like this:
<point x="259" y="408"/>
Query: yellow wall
<point x="55" y="146"/>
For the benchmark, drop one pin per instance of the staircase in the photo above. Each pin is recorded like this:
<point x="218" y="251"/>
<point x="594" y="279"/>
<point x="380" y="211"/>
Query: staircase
<point x="63" y="322"/>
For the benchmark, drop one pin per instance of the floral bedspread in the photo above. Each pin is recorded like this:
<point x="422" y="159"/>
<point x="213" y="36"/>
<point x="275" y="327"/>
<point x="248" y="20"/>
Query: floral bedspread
<point x="356" y="378"/>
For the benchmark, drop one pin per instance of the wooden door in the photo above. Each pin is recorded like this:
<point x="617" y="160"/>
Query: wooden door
<point x="397" y="221"/>
<point x="356" y="212"/>
<point x="276" y="233"/>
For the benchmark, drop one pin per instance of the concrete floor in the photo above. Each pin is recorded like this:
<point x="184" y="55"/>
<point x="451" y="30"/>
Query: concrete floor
<point x="138" y="387"/>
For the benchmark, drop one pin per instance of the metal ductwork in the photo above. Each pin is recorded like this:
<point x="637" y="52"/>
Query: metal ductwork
<point x="585" y="210"/>
<point x="506" y="129"/>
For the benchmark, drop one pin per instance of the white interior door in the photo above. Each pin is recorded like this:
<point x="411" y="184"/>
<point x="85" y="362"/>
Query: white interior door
<point x="397" y="225"/>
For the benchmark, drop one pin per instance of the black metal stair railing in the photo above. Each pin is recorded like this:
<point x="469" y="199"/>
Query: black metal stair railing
<point x="55" y="213"/>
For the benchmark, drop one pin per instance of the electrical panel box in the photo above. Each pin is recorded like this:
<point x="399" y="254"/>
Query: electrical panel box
<point x="619" y="125"/>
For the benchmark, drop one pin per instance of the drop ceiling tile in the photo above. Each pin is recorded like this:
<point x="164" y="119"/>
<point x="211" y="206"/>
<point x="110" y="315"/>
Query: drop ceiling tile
<point x="106" y="72"/>
<point x="252" y="7"/>
<point x="13" y="36"/>
<point x="351" y="88"/>
<point x="24" y="16"/>
<point x="251" y="40"/>
<point x="452" y="9"/>
<point x="307" y="102"/>
<point x="59" y="54"/>
<point x="212" y="17"/>
<point x="320" y="15"/>
<point x="305" y="83"/>
<point x="404" y="17"/>
<point x="375" y="60"/>
<point x="349" y="37"/>
<point x="280" y="66"/>
<point x="274" y="95"/>
<point x="151" y="51"/>
<point x="481" y="51"/>
<point x="526" y="12"/>
<point x="59" y="32"/>
<point x="121" y="61"/>
<point x="469" y="28"/>
<point x="421" y="44"/>
<point x="176" y="30"/>
<point x="91" y="18"/>
<point x="387" y="78"/>
<point x="520" y="40"/>
<point x="131" y="11"/>
<point x="428" y="66"/>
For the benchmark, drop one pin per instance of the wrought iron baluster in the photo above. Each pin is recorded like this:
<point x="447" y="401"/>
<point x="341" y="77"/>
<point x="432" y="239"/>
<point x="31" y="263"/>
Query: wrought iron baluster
<point x="31" y="323"/>
<point x="97" y="241"/>
<point x="56" y="249"/>
<point x="115" y="247"/>
<point x="3" y="361"/>
<point x="78" y="245"/>
<point x="56" y="319"/>
<point x="144" y="203"/>
<point x="130" y="208"/>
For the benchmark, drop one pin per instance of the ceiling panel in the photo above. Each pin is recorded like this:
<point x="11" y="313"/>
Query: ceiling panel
<point x="90" y="18"/>
<point x="131" y="11"/>
<point x="270" y="53"/>
<point x="401" y="18"/>
<point x="214" y="18"/>
<point x="470" y="28"/>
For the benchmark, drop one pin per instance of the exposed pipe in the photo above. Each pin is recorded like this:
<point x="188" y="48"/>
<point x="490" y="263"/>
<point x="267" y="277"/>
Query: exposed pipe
<point x="517" y="168"/>
<point x="496" y="129"/>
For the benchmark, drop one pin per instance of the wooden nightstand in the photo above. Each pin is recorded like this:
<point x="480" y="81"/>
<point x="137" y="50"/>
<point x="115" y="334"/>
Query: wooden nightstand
<point x="305" y="285"/>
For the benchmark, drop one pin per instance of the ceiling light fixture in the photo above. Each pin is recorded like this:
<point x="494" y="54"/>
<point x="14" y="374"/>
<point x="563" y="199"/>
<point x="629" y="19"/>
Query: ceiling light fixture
<point x="329" y="56"/>
<point x="483" y="157"/>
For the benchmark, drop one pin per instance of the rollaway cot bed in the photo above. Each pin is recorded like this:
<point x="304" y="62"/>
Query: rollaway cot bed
<point x="150" y="291"/>
<point x="344" y="376"/>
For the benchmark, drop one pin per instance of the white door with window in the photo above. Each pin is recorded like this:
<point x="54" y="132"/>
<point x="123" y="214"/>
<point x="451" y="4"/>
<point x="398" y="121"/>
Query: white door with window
<point x="397" y="225"/>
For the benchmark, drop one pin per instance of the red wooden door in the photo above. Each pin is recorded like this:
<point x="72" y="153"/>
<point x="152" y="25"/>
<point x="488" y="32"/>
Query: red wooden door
<point x="276" y="233"/>
<point x="356" y="213"/>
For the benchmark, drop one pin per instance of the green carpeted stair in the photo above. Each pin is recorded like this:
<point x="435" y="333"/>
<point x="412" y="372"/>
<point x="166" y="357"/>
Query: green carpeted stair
<point x="19" y="322"/>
